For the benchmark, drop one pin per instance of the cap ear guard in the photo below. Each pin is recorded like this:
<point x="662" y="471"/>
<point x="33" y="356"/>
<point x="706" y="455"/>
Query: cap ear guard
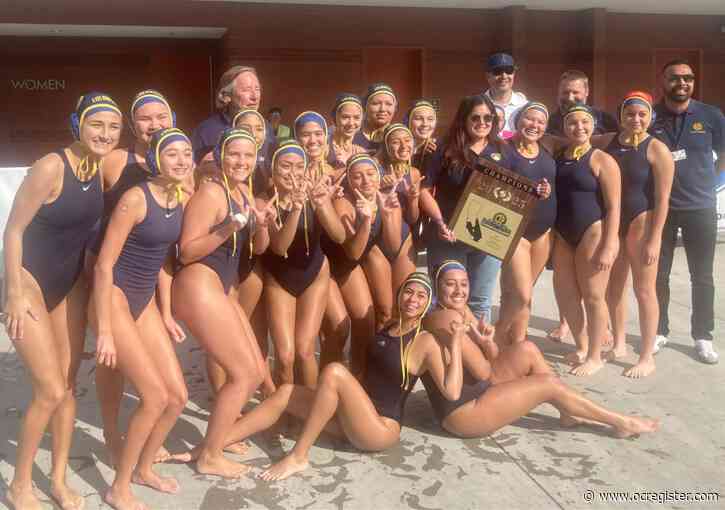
<point x="75" y="126"/>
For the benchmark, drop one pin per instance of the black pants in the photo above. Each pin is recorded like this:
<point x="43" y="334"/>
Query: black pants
<point x="699" y="235"/>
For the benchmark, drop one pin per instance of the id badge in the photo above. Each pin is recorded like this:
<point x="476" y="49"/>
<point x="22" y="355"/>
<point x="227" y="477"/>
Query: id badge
<point x="679" y="155"/>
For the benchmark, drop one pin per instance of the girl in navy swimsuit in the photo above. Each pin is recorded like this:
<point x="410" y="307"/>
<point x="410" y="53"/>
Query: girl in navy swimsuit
<point x="380" y="107"/>
<point x="297" y="276"/>
<point x="370" y="221"/>
<point x="131" y="334"/>
<point x="219" y="220"/>
<point x="422" y="120"/>
<point x="347" y="114"/>
<point x="122" y="170"/>
<point x="51" y="222"/>
<point x="518" y="277"/>
<point x="251" y="276"/>
<point x="367" y="411"/>
<point x="498" y="388"/>
<point x="587" y="242"/>
<point x="647" y="172"/>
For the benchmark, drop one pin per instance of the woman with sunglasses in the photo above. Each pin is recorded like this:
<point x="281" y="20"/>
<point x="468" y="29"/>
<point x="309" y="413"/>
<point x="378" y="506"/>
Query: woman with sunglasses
<point x="588" y="199"/>
<point x="518" y="277"/>
<point x="498" y="388"/>
<point x="472" y="136"/>
<point x="647" y="172"/>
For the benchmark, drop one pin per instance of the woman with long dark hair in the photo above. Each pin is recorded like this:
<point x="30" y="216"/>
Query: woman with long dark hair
<point x="473" y="135"/>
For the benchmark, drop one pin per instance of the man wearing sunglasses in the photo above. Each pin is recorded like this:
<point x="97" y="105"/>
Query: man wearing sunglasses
<point x="500" y="74"/>
<point x="693" y="131"/>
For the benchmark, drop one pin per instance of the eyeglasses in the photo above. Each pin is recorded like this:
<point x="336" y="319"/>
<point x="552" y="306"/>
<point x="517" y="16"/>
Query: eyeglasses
<point x="504" y="69"/>
<point x="482" y="119"/>
<point x="687" y="78"/>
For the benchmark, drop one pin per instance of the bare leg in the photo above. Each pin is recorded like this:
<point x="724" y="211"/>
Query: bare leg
<point x="593" y="284"/>
<point x="109" y="392"/>
<point x="335" y="327"/>
<point x="69" y="327"/>
<point x="281" y="327"/>
<point x="338" y="393"/>
<point x="379" y="275"/>
<point x="359" y="303"/>
<point x="196" y="290"/>
<point x="37" y="349"/>
<point x="516" y="285"/>
<point x="644" y="281"/>
<point x="161" y="350"/>
<point x="403" y="265"/>
<point x="504" y="403"/>
<point x="310" y="309"/>
<point x="138" y="366"/>
<point x="617" y="304"/>
<point x="569" y="298"/>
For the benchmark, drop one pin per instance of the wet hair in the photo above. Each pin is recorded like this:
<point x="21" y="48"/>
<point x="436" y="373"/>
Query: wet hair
<point x="457" y="138"/>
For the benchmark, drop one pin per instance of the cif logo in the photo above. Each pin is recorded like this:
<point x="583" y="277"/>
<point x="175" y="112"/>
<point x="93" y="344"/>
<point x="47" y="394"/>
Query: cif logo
<point x="502" y="195"/>
<point x="500" y="218"/>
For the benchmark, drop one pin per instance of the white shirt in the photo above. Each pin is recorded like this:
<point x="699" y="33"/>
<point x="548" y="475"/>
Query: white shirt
<point x="517" y="101"/>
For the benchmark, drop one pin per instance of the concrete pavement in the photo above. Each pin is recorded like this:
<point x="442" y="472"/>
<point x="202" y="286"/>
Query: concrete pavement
<point x="530" y="464"/>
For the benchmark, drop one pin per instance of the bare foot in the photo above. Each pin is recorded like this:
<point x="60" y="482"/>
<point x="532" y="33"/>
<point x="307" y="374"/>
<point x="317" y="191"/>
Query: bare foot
<point x="22" y="499"/>
<point x="162" y="455"/>
<point x="168" y="485"/>
<point x="576" y="357"/>
<point x="616" y="353"/>
<point x="66" y="498"/>
<point x="239" y="448"/>
<point x="589" y="367"/>
<point x="643" y="368"/>
<point x="220" y="466"/>
<point x="634" y="426"/>
<point x="284" y="468"/>
<point x="559" y="333"/>
<point x="125" y="501"/>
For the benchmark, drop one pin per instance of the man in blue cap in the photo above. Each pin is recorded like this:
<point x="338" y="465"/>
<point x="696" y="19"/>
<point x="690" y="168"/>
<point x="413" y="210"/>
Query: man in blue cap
<point x="500" y="74"/>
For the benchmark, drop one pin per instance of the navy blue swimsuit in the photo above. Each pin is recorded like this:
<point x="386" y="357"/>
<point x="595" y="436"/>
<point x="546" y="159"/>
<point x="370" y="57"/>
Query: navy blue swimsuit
<point x="442" y="407"/>
<point x="132" y="175"/>
<point x="299" y="269"/>
<point x="54" y="241"/>
<point x="383" y="379"/>
<point x="579" y="197"/>
<point x="540" y="167"/>
<point x="136" y="271"/>
<point x="638" y="186"/>
<point x="225" y="260"/>
<point x="341" y="265"/>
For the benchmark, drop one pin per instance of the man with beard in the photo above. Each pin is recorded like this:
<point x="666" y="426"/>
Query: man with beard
<point x="500" y="74"/>
<point x="692" y="130"/>
<point x="574" y="89"/>
<point x="238" y="89"/>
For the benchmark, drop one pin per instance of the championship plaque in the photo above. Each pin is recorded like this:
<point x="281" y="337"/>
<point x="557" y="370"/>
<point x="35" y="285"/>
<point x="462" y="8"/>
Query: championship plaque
<point x="494" y="209"/>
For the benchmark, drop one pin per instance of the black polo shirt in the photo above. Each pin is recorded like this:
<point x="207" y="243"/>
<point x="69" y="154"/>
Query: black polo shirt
<point x="605" y="123"/>
<point x="692" y="136"/>
<point x="206" y="136"/>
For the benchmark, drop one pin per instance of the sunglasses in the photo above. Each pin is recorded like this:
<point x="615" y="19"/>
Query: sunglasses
<point x="504" y="69"/>
<point x="687" y="78"/>
<point x="481" y="119"/>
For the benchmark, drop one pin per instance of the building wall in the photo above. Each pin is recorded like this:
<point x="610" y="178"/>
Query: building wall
<point x="307" y="54"/>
